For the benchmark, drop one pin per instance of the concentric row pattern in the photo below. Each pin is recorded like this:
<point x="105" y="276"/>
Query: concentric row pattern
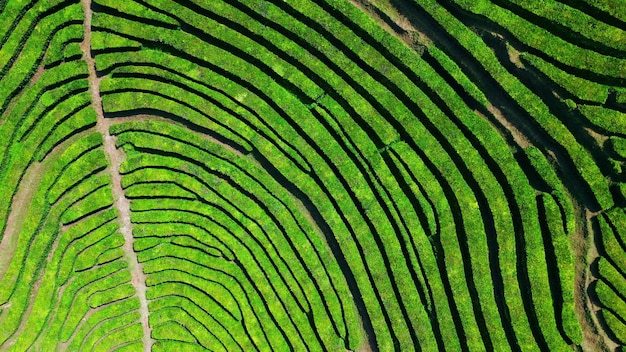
<point x="242" y="175"/>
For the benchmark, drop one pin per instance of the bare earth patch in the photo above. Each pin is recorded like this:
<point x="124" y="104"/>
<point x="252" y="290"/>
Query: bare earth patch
<point x="37" y="75"/>
<point x="19" y="208"/>
<point x="395" y="22"/>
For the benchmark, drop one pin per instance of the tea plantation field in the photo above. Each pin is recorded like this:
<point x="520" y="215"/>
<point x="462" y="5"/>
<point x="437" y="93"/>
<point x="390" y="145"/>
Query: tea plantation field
<point x="312" y="175"/>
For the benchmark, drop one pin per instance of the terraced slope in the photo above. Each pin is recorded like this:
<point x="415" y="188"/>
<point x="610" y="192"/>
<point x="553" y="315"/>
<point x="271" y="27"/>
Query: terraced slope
<point x="312" y="175"/>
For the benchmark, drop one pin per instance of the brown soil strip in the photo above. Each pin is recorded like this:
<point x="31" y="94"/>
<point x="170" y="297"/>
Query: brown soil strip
<point x="394" y="23"/>
<point x="518" y="136"/>
<point x="595" y="337"/>
<point x="19" y="208"/>
<point x="37" y="75"/>
<point x="600" y="138"/>
<point x="115" y="158"/>
<point x="514" y="56"/>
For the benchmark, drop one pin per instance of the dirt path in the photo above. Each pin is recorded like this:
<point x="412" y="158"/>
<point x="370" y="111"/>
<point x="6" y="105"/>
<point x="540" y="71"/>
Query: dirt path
<point x="115" y="158"/>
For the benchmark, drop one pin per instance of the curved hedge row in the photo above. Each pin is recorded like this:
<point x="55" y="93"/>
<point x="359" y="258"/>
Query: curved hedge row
<point x="326" y="175"/>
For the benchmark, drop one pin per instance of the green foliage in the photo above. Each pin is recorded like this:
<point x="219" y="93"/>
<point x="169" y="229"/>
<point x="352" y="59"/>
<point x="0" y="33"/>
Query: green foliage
<point x="552" y="45"/>
<point x="298" y="178"/>
<point x="105" y="40"/>
<point x="618" y="144"/>
<point x="612" y="121"/>
<point x="92" y="203"/>
<point x="63" y="44"/>
<point x="565" y="265"/>
<point x="579" y="87"/>
<point x="577" y="21"/>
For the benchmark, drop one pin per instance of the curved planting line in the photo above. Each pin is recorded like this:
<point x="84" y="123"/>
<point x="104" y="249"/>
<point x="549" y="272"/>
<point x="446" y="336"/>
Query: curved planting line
<point x="41" y="244"/>
<point x="201" y="320"/>
<point x="313" y="175"/>
<point x="115" y="158"/>
<point x="187" y="323"/>
<point x="223" y="176"/>
<point x="21" y="200"/>
<point x="286" y="304"/>
<point x="240" y="259"/>
<point x="103" y="317"/>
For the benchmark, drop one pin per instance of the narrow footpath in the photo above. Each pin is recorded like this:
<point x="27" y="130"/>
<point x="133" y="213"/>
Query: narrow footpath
<point x="115" y="158"/>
